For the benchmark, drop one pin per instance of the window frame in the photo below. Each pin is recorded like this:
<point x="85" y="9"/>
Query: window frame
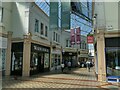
<point x="54" y="35"/>
<point x="46" y="31"/>
<point x="36" y="25"/>
<point x="41" y="28"/>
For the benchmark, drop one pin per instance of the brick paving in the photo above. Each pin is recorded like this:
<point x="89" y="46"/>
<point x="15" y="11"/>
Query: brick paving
<point x="76" y="78"/>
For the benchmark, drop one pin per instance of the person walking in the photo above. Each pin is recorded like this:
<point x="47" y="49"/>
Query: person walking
<point x="62" y="66"/>
<point x="69" y="65"/>
<point x="88" y="65"/>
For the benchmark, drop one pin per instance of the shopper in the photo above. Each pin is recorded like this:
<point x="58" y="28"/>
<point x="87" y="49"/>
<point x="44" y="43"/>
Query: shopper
<point x="88" y="65"/>
<point x="62" y="66"/>
<point x="69" y="65"/>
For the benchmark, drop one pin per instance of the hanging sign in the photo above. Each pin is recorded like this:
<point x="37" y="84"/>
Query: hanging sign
<point x="90" y="39"/>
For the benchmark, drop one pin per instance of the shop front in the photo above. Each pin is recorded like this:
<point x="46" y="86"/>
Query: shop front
<point x="70" y="56"/>
<point x="17" y="58"/>
<point x="112" y="53"/>
<point x="40" y="59"/>
<point x="3" y="49"/>
<point x="56" y="59"/>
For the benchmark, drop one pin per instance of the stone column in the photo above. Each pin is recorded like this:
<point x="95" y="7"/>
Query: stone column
<point x="101" y="56"/>
<point x="26" y="55"/>
<point x="8" y="53"/>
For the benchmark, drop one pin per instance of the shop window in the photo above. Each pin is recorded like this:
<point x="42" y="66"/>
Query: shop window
<point x="46" y="29"/>
<point x="36" y="25"/>
<point x="113" y="61"/>
<point x="17" y="58"/>
<point x="34" y="61"/>
<point x="2" y="59"/>
<point x="46" y="60"/>
<point x="52" y="62"/>
<point x="42" y="29"/>
<point x="58" y="59"/>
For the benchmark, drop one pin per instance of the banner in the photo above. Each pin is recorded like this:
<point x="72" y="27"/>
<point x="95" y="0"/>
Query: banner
<point x="90" y="39"/>
<point x="65" y="15"/>
<point x="53" y="15"/>
<point x="78" y="33"/>
<point x="72" y="36"/>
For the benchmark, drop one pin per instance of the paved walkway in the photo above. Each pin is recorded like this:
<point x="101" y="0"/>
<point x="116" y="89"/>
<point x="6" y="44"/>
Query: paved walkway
<point x="76" y="78"/>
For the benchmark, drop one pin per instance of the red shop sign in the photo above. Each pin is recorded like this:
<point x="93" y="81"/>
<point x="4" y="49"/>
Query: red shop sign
<point x="90" y="39"/>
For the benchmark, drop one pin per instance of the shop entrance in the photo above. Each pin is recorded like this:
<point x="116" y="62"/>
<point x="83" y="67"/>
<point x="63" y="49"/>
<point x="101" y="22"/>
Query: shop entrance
<point x="41" y="62"/>
<point x="17" y="58"/>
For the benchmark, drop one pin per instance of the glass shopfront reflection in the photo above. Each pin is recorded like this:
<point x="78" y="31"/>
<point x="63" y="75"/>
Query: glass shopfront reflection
<point x="16" y="58"/>
<point x="40" y="59"/>
<point x="113" y="61"/>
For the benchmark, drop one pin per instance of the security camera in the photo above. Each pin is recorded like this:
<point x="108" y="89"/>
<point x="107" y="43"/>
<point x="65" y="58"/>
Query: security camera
<point x="95" y="15"/>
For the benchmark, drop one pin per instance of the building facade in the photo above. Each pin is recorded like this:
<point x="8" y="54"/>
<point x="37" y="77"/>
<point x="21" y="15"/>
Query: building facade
<point x="30" y="46"/>
<point x="107" y="37"/>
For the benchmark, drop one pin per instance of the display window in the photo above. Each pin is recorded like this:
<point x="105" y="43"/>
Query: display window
<point x="113" y="61"/>
<point x="17" y="58"/>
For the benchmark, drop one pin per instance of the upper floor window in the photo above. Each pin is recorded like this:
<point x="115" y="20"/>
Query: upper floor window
<point x="54" y="36"/>
<point x="80" y="45"/>
<point x="85" y="45"/>
<point x="69" y="43"/>
<point x="66" y="43"/>
<point x="36" y="25"/>
<point x="1" y="14"/>
<point x="42" y="29"/>
<point x="46" y="29"/>
<point x="59" y="38"/>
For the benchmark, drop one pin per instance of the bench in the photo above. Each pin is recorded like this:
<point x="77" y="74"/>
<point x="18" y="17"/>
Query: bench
<point x="117" y="78"/>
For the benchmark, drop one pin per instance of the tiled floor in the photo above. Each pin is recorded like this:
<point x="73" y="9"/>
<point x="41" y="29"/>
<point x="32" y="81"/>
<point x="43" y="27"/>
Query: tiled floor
<point x="76" y="78"/>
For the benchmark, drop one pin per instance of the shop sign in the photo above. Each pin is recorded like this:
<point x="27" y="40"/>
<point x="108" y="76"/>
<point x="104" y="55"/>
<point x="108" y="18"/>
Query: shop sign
<point x="38" y="48"/>
<point x="78" y="32"/>
<point x="72" y="36"/>
<point x="90" y="39"/>
<point x="56" y="52"/>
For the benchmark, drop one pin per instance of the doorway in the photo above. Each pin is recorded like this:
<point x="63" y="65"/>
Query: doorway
<point x="41" y="62"/>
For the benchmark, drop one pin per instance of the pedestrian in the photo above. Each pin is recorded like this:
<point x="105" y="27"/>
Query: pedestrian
<point x="88" y="65"/>
<point x="62" y="66"/>
<point x="69" y="65"/>
<point x="78" y="64"/>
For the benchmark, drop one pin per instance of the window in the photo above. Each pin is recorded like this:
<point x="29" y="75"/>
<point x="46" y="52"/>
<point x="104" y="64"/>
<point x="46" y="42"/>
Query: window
<point x="46" y="29"/>
<point x="80" y="45"/>
<point x="1" y="14"/>
<point x="36" y="25"/>
<point x="69" y="44"/>
<point x="66" y="43"/>
<point x="54" y="36"/>
<point x="42" y="29"/>
<point x="85" y="45"/>
<point x="59" y="38"/>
